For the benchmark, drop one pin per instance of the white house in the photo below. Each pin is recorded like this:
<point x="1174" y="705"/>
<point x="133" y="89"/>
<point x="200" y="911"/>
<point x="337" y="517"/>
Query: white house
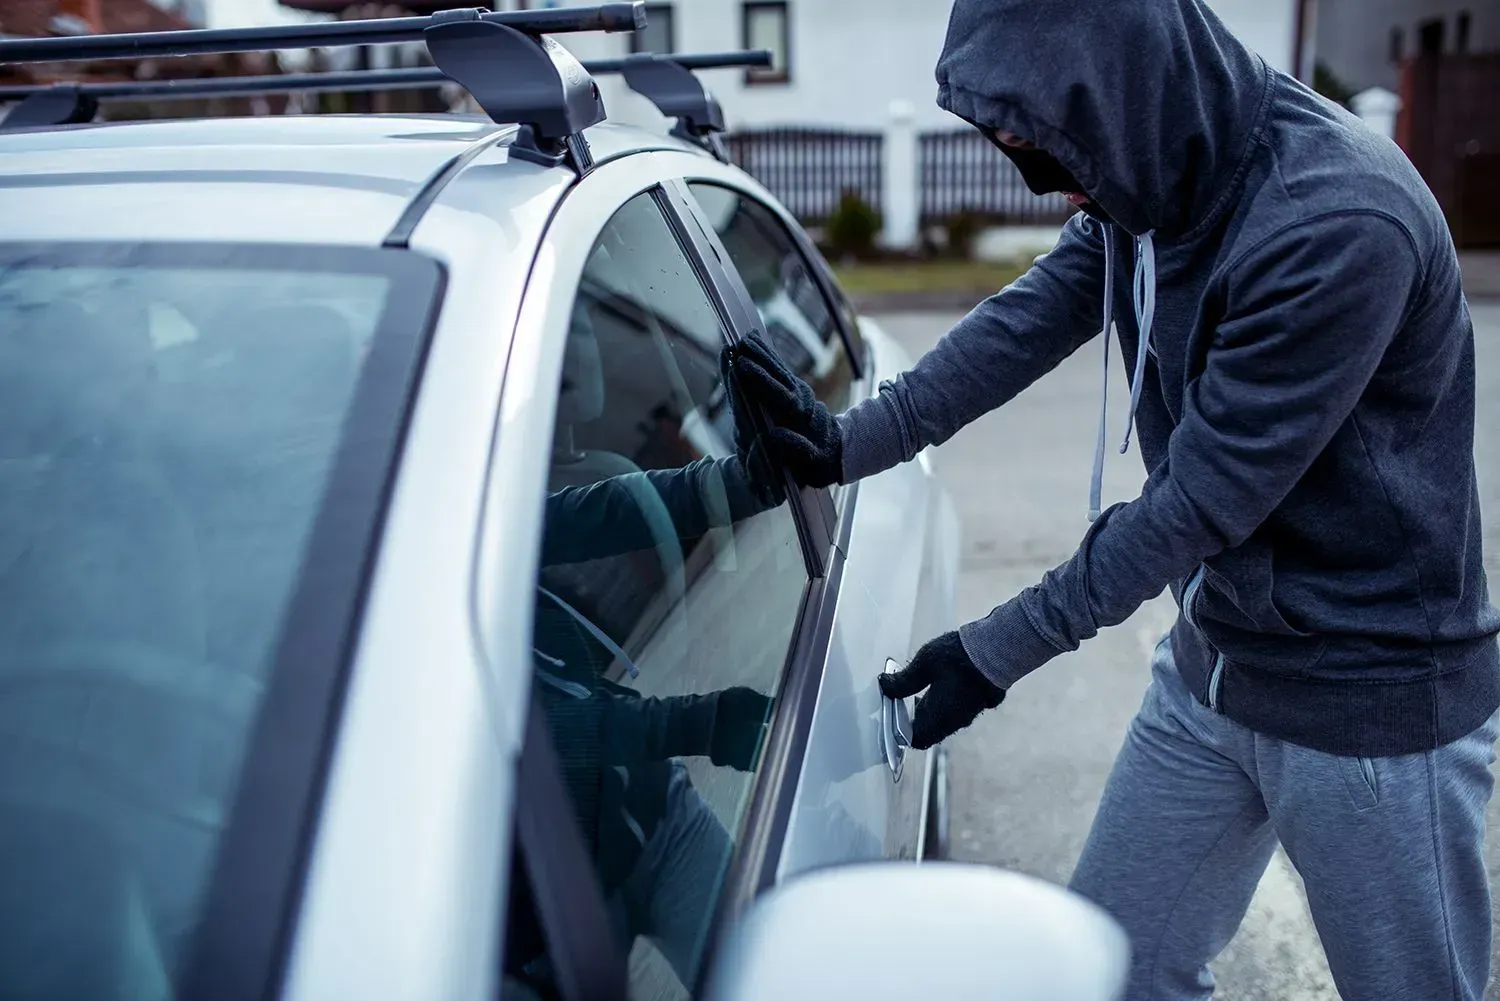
<point x="843" y="62"/>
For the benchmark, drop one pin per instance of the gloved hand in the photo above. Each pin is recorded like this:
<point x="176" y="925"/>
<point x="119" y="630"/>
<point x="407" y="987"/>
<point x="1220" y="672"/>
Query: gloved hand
<point x="804" y="434"/>
<point x="763" y="479"/>
<point x="956" y="691"/>
<point x="740" y="717"/>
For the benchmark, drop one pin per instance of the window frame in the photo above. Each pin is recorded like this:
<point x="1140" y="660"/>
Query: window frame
<point x="845" y="316"/>
<point x="768" y="76"/>
<point x="837" y="496"/>
<point x="767" y="813"/>
<point x="740" y="316"/>
<point x="653" y="10"/>
<point x="240" y="948"/>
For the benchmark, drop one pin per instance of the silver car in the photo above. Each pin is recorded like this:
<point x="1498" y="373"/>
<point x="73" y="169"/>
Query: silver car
<point x="395" y="601"/>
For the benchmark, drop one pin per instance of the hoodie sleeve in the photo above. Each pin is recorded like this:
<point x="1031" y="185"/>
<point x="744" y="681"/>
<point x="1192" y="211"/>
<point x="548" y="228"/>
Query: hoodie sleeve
<point x="610" y="517"/>
<point x="1004" y="345"/>
<point x="1308" y="317"/>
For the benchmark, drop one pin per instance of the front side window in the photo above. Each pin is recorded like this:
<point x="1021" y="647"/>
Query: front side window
<point x="670" y="585"/>
<point x="798" y="320"/>
<point x="171" y="422"/>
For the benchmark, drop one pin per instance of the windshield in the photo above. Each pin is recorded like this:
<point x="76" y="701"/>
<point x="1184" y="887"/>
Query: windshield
<point x="172" y="420"/>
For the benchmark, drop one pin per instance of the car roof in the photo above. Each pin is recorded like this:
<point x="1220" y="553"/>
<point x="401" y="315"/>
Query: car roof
<point x="343" y="179"/>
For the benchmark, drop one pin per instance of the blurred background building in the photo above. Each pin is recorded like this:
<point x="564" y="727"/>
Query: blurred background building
<point x="845" y="115"/>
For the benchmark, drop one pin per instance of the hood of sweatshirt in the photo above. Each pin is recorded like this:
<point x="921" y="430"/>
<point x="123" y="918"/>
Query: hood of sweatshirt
<point x="1150" y="104"/>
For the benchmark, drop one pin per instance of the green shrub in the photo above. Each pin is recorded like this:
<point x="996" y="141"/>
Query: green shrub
<point x="961" y="230"/>
<point x="852" y="229"/>
<point x="1330" y="86"/>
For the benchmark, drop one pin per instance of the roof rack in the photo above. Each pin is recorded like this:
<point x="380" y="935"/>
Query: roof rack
<point x="666" y="80"/>
<point x="502" y="58"/>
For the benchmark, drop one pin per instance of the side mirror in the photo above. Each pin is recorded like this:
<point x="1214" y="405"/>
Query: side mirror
<point x="890" y="931"/>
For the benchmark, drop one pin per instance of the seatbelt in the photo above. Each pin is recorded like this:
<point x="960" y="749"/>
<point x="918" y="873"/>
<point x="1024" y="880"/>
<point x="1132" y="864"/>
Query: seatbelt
<point x="584" y="954"/>
<point x="599" y="634"/>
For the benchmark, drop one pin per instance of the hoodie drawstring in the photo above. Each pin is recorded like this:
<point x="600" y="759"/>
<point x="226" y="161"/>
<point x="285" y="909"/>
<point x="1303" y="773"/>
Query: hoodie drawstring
<point x="1144" y="299"/>
<point x="1096" y="484"/>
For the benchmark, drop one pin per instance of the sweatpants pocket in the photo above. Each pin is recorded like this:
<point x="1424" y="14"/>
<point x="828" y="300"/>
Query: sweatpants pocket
<point x="1361" y="782"/>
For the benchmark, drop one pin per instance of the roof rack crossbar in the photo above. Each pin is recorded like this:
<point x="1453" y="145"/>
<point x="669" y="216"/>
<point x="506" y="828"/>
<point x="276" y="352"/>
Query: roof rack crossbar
<point x="662" y="79"/>
<point x="503" y="58"/>
<point x="378" y="31"/>
<point x="689" y="60"/>
<point x="421" y="77"/>
<point x="332" y="81"/>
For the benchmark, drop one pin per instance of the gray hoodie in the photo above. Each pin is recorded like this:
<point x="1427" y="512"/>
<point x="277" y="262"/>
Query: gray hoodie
<point x="1286" y="296"/>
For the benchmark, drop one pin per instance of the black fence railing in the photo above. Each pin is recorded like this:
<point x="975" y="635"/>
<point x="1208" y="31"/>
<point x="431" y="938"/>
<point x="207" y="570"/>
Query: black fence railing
<point x="961" y="172"/>
<point x="809" y="170"/>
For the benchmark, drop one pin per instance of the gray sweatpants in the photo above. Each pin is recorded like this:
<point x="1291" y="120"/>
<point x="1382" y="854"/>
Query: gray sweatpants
<point x="1391" y="851"/>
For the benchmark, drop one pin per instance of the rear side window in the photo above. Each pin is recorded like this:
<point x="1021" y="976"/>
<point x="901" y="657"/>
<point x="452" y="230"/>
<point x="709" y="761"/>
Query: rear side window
<point x="168" y="432"/>
<point x="666" y="602"/>
<point x="799" y="321"/>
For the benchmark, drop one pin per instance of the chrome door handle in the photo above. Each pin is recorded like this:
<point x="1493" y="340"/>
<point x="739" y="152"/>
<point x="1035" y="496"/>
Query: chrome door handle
<point x="895" y="728"/>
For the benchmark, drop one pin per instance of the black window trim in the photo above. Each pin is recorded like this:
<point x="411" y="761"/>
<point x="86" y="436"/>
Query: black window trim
<point x="828" y="503"/>
<point x="740" y="317"/>
<point x="762" y="77"/>
<point x="828" y="286"/>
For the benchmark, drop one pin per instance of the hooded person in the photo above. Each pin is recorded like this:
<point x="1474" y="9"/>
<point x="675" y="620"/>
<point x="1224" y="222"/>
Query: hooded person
<point x="1300" y="359"/>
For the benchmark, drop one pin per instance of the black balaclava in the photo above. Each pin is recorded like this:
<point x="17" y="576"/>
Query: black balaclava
<point x="1043" y="173"/>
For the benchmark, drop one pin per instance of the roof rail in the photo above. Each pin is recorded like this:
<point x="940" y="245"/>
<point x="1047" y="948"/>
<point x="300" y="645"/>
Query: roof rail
<point x="502" y="58"/>
<point x="665" y="80"/>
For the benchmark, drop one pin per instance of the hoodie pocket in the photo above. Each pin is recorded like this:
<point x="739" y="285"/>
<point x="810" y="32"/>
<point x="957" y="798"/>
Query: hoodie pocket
<point x="1361" y="782"/>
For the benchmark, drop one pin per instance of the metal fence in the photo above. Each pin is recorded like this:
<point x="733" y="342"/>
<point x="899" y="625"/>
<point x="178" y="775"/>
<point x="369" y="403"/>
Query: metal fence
<point x="961" y="172"/>
<point x="809" y="170"/>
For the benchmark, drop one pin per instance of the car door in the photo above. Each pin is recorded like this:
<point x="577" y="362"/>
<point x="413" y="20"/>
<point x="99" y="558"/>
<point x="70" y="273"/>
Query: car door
<point x="672" y="593"/>
<point x="891" y="593"/>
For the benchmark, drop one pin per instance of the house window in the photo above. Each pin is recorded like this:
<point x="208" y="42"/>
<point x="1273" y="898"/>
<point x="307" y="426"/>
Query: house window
<point x="1398" y="45"/>
<point x="767" y="26"/>
<point x="660" y="34"/>
<point x="1461" y="33"/>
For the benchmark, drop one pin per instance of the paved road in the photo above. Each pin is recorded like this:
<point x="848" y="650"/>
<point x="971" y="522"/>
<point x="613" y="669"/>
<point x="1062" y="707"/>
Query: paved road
<point x="1027" y="779"/>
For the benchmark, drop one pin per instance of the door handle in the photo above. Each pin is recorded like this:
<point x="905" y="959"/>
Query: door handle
<point x="895" y="728"/>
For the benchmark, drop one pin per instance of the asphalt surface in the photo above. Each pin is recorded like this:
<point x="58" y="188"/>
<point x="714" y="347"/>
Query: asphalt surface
<point x="1027" y="778"/>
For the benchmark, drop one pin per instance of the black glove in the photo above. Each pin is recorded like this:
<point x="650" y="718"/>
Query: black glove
<point x="956" y="692"/>
<point x="740" y="716"/>
<point x="804" y="433"/>
<point x="762" y="477"/>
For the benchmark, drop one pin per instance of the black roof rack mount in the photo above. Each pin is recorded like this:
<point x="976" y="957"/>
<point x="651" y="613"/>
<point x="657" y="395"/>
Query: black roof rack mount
<point x="666" y="80"/>
<point x="500" y="57"/>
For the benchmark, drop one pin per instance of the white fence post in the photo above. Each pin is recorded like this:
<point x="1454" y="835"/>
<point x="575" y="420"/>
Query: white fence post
<point x="900" y="192"/>
<point x="1378" y="108"/>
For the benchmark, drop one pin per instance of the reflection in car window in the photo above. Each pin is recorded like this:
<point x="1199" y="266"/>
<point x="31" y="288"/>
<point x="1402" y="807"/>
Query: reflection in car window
<point x="798" y="321"/>
<point x="670" y="586"/>
<point x="165" y="441"/>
